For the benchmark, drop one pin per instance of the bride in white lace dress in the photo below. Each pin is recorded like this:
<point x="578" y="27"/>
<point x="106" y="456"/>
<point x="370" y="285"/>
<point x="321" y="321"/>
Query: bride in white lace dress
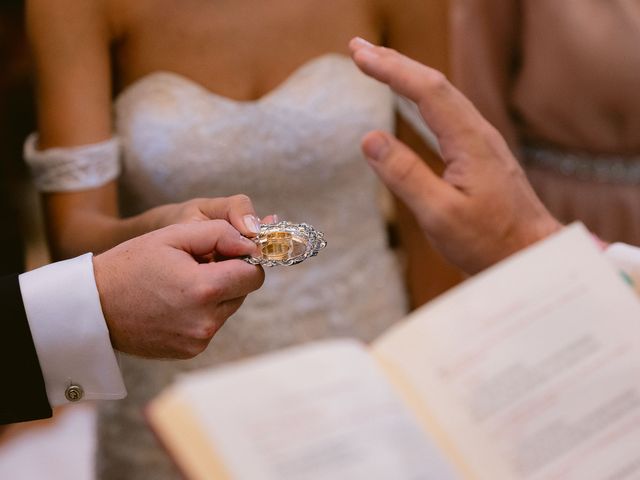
<point x="215" y="98"/>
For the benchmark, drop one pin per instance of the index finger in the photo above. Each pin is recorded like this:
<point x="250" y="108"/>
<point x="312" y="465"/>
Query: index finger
<point x="230" y="279"/>
<point x="450" y="115"/>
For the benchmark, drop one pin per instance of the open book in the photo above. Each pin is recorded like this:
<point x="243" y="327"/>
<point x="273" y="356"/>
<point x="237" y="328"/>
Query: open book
<point x="530" y="370"/>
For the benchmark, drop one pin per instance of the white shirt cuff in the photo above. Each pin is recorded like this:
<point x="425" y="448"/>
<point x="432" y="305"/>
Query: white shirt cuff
<point x="69" y="331"/>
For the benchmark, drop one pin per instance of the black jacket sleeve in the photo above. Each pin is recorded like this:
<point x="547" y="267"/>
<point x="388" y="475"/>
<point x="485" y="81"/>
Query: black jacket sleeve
<point x="23" y="394"/>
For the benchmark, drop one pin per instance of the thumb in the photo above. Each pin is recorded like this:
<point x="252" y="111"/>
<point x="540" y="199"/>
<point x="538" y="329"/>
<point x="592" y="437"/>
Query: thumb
<point x="237" y="210"/>
<point x="213" y="236"/>
<point x="404" y="172"/>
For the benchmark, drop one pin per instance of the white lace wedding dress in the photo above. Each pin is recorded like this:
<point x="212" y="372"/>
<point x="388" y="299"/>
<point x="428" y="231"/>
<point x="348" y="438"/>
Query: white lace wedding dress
<point x="295" y="152"/>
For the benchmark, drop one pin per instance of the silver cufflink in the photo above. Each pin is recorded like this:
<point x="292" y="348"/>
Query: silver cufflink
<point x="73" y="393"/>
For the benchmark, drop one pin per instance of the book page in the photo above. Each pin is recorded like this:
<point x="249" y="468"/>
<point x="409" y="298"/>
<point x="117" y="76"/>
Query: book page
<point x="320" y="411"/>
<point x="530" y="370"/>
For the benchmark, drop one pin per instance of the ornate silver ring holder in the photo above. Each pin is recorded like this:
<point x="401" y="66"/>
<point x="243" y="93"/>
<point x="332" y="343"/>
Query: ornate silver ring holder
<point x="286" y="243"/>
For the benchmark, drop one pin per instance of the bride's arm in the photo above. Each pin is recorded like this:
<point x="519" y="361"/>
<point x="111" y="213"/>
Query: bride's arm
<point x="71" y="42"/>
<point x="419" y="28"/>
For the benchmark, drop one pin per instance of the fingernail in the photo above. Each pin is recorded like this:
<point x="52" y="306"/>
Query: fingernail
<point x="376" y="147"/>
<point x="276" y="218"/>
<point x="252" y="223"/>
<point x="361" y="42"/>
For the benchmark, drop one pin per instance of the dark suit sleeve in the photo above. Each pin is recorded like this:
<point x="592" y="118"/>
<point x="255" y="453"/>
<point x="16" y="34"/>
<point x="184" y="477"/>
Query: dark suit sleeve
<point x="23" y="394"/>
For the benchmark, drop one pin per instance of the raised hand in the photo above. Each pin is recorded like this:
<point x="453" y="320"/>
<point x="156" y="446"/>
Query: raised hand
<point x="483" y="208"/>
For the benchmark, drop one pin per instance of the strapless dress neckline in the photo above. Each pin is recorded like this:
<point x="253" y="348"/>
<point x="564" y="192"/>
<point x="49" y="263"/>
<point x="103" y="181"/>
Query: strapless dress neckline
<point x="188" y="82"/>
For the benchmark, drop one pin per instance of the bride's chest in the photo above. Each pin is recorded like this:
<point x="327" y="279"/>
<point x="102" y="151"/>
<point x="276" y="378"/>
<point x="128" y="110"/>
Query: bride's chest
<point x="311" y="124"/>
<point x="241" y="49"/>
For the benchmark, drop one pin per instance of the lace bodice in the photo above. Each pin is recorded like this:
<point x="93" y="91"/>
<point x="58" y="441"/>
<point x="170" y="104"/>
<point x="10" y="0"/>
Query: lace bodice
<point x="295" y="152"/>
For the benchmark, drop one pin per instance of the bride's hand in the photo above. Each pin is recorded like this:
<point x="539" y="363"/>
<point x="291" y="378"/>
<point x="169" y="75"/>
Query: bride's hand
<point x="237" y="210"/>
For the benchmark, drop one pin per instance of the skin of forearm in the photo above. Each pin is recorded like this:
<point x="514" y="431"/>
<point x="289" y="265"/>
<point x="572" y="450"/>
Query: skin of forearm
<point x="90" y="231"/>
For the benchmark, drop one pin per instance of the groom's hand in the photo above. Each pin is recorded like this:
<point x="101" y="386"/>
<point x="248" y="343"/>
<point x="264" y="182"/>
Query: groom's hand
<point x="160" y="301"/>
<point x="483" y="208"/>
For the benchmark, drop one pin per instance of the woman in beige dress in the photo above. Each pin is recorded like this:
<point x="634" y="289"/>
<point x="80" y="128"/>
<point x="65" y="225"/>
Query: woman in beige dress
<point x="559" y="79"/>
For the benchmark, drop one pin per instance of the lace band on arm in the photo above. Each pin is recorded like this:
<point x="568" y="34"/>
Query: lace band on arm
<point x="408" y="110"/>
<point x="67" y="169"/>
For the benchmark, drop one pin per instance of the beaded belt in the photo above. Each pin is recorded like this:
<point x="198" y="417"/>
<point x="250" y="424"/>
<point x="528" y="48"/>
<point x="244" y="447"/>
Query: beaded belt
<point x="605" y="168"/>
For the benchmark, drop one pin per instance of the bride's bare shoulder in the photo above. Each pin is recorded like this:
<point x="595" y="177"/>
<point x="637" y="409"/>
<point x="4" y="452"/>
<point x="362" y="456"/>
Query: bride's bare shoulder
<point x="67" y="21"/>
<point x="70" y="41"/>
<point x="123" y="14"/>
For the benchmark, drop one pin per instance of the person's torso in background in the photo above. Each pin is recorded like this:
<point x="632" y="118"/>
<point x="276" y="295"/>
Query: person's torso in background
<point x="579" y="74"/>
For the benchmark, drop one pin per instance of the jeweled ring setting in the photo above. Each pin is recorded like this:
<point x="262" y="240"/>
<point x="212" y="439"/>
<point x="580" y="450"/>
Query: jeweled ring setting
<point x="286" y="243"/>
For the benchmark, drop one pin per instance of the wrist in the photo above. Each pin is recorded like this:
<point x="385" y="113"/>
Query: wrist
<point x="103" y="284"/>
<point x="540" y="230"/>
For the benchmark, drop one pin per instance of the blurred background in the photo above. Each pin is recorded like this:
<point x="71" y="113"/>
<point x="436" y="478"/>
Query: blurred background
<point x="16" y="119"/>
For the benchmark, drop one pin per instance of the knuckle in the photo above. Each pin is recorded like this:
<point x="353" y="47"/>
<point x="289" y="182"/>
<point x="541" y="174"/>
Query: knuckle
<point x="188" y="207"/>
<point x="206" y="331"/>
<point x="197" y="208"/>
<point x="436" y="82"/>
<point x="514" y="170"/>
<point x="195" y="348"/>
<point x="205" y="293"/>
<point x="403" y="170"/>
<point x="241" y="199"/>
